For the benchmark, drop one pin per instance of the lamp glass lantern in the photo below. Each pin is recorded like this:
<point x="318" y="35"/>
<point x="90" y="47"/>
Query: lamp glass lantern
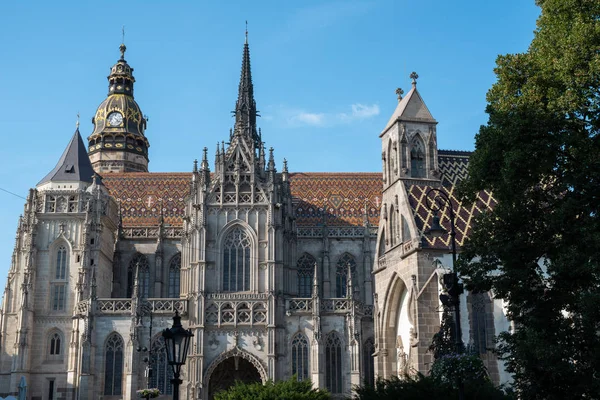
<point x="436" y="229"/>
<point x="177" y="343"/>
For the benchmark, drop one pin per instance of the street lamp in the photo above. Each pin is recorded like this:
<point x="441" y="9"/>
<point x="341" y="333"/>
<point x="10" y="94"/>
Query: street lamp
<point x="177" y="343"/>
<point x="145" y="308"/>
<point x="450" y="280"/>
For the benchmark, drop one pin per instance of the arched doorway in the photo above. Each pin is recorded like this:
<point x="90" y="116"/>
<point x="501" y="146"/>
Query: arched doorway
<point x="231" y="370"/>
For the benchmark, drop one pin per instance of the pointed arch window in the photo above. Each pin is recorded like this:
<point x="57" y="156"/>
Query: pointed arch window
<point x="174" y="276"/>
<point x="479" y="329"/>
<point x="306" y="270"/>
<point x="58" y="286"/>
<point x="333" y="361"/>
<point x="113" y="367"/>
<point x="236" y="261"/>
<point x="369" y="362"/>
<point x="139" y="261"/>
<point x="300" y="357"/>
<point x="341" y="274"/>
<point x="393" y="226"/>
<point x="55" y="345"/>
<point x="161" y="372"/>
<point x="417" y="159"/>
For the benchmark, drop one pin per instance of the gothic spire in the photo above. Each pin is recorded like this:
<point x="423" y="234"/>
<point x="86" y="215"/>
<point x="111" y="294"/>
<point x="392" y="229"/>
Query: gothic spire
<point x="245" y="107"/>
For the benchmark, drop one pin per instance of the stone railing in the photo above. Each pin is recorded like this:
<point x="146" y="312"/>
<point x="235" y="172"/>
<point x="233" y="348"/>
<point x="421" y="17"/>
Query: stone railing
<point x="113" y="306"/>
<point x="168" y="306"/>
<point x="156" y="306"/>
<point x="151" y="232"/>
<point x="336" y="232"/>
<point x="236" y="309"/>
<point x="300" y="305"/>
<point x="329" y="306"/>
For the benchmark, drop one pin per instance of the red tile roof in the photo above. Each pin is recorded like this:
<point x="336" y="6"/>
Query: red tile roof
<point x="338" y="197"/>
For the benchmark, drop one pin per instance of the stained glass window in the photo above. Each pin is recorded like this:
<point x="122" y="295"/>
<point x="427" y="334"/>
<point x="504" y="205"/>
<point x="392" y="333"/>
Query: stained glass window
<point x="58" y="289"/>
<point x="113" y="367"/>
<point x="139" y="261"/>
<point x="174" y="276"/>
<point x="333" y="362"/>
<point x="341" y="274"/>
<point x="236" y="261"/>
<point x="162" y="373"/>
<point x="300" y="357"/>
<point x="306" y="269"/>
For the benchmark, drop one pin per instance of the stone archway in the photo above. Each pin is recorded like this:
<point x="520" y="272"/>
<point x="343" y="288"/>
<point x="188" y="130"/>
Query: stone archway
<point x="235" y="365"/>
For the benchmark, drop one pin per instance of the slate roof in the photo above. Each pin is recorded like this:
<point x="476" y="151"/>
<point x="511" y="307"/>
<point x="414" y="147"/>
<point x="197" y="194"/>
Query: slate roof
<point x="411" y="108"/>
<point x="74" y="165"/>
<point x="453" y="167"/>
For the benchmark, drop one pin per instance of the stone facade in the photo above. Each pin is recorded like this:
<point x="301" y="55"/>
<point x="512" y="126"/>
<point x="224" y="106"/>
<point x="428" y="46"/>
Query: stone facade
<point x="326" y="276"/>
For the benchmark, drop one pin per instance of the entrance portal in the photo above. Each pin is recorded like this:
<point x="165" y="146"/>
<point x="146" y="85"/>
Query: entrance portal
<point x="229" y="371"/>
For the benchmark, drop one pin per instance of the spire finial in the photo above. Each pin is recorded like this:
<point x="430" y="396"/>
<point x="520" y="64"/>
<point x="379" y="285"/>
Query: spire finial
<point x="122" y="47"/>
<point x="399" y="93"/>
<point x="414" y="76"/>
<point x="77" y="123"/>
<point x="246" y="31"/>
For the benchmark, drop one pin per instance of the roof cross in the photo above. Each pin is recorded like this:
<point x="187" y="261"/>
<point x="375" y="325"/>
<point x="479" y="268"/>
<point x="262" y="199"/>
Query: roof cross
<point x="399" y="92"/>
<point x="77" y="123"/>
<point x="414" y="76"/>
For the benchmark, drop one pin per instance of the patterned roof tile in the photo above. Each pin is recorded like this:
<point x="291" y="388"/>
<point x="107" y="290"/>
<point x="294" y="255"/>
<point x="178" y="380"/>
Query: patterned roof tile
<point x="338" y="198"/>
<point x="453" y="167"/>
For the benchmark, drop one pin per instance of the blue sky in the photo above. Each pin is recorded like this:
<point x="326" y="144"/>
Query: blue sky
<point x="324" y="76"/>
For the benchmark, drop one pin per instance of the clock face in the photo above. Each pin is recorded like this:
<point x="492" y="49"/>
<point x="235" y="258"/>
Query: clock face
<point x="115" y="119"/>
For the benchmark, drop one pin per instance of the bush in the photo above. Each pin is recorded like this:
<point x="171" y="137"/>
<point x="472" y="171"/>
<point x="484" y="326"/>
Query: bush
<point x="449" y="368"/>
<point x="423" y="387"/>
<point x="291" y="389"/>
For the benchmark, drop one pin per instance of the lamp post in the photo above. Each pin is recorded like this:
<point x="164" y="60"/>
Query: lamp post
<point x="177" y="342"/>
<point x="146" y="309"/>
<point x="453" y="286"/>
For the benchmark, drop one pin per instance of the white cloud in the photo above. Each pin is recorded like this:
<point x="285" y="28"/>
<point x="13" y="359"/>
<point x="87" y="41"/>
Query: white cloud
<point x="295" y="117"/>
<point x="359" y="111"/>
<point x="307" y="118"/>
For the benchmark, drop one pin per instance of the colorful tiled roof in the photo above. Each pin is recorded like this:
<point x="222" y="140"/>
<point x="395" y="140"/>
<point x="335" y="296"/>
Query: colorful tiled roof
<point x="339" y="198"/>
<point x="142" y="194"/>
<point x="453" y="168"/>
<point x="342" y="195"/>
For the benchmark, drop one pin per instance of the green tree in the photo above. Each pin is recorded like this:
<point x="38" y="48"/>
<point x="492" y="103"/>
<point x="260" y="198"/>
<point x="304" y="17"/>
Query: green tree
<point x="539" y="249"/>
<point x="422" y="387"/>
<point x="292" y="389"/>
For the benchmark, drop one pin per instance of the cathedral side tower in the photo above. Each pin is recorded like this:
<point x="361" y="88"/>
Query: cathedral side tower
<point x="62" y="258"/>
<point x="118" y="143"/>
<point x="404" y="271"/>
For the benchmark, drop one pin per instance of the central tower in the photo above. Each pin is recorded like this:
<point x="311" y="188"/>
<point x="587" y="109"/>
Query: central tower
<point x="117" y="143"/>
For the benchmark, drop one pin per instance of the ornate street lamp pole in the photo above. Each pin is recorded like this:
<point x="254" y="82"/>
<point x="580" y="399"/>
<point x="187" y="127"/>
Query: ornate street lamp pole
<point x="147" y="309"/>
<point x="453" y="286"/>
<point x="177" y="343"/>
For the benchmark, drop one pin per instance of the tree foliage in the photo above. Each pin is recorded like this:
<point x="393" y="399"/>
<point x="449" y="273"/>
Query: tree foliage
<point x="539" y="249"/>
<point x="292" y="389"/>
<point x="422" y="387"/>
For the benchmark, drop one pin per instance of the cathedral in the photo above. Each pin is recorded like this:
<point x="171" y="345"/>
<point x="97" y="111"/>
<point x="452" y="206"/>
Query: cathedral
<point x="322" y="276"/>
